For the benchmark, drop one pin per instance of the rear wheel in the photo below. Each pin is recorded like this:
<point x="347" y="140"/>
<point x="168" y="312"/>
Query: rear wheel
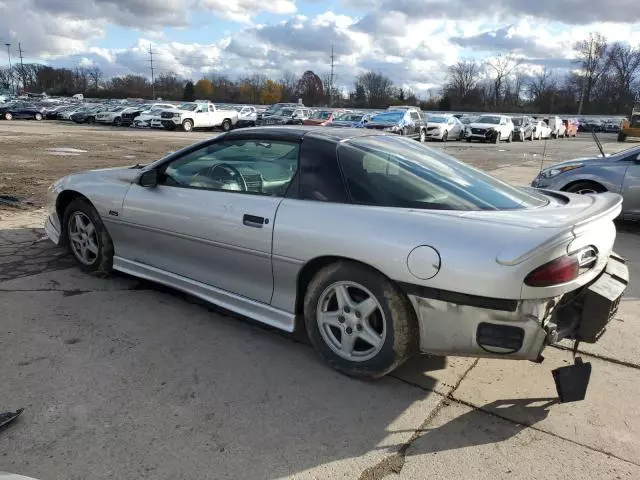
<point x="423" y="136"/>
<point x="117" y="122"/>
<point x="621" y="137"/>
<point x="445" y="136"/>
<point x="87" y="238"/>
<point x="8" y="116"/>
<point x="226" y="125"/>
<point x="359" y="322"/>
<point x="585" y="187"/>
<point x="38" y="116"/>
<point x="510" y="137"/>
<point x="187" y="125"/>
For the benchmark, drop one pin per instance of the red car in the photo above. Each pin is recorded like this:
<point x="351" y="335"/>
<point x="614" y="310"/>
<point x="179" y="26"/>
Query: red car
<point x="571" y="127"/>
<point x="320" y="117"/>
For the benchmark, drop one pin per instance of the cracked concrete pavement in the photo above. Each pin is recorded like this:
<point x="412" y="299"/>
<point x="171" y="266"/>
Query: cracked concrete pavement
<point x="124" y="379"/>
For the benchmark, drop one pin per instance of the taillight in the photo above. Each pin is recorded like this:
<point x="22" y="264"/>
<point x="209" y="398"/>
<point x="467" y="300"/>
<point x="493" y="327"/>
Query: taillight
<point x="560" y="270"/>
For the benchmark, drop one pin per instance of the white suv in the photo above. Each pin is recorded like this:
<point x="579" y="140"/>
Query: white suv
<point x="490" y="128"/>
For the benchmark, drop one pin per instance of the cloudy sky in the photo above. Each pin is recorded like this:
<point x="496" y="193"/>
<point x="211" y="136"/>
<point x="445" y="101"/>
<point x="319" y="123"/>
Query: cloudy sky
<point x="411" y="41"/>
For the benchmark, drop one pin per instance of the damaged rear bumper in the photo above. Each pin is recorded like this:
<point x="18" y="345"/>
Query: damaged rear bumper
<point x="464" y="325"/>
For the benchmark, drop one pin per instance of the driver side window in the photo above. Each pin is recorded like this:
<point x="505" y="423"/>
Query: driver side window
<point x="257" y="167"/>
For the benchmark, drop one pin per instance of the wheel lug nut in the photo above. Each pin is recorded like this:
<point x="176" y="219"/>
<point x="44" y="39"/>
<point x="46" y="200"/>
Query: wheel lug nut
<point x="347" y="309"/>
<point x="341" y="319"/>
<point x="349" y="330"/>
<point x="357" y="314"/>
<point x="359" y="327"/>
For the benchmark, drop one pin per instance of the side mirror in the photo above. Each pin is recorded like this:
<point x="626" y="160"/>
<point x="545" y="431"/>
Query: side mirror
<point x="148" y="179"/>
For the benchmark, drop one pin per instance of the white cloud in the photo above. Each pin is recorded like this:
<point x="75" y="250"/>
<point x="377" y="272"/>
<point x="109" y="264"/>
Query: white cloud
<point x="243" y="10"/>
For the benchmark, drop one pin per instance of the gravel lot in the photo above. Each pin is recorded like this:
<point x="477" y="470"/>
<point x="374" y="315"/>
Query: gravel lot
<point x="124" y="379"/>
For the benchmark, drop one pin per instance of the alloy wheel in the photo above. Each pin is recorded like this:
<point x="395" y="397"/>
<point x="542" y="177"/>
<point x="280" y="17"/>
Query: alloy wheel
<point x="83" y="238"/>
<point x="351" y="321"/>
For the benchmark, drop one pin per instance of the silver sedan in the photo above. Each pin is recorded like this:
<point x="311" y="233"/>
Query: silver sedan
<point x="618" y="173"/>
<point x="378" y="245"/>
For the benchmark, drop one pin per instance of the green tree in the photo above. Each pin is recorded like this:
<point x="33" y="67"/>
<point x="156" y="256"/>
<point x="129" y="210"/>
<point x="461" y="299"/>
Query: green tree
<point x="189" y="92"/>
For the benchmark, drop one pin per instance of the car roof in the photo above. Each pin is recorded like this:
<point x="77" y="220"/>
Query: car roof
<point x="297" y="132"/>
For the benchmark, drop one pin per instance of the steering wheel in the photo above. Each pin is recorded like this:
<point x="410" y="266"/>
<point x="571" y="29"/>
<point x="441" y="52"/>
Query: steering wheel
<point x="232" y="173"/>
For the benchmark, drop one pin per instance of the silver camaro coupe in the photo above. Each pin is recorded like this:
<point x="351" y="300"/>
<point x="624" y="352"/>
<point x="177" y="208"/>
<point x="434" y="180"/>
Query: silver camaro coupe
<point x="378" y="245"/>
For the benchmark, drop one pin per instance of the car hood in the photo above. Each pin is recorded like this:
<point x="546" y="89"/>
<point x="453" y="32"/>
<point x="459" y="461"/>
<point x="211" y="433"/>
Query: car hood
<point x="381" y="124"/>
<point x="483" y="125"/>
<point x="576" y="161"/>
<point x="437" y="125"/>
<point x="343" y="123"/>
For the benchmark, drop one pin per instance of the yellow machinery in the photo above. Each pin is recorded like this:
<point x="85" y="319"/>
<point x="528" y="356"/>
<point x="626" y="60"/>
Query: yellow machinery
<point x="630" y="128"/>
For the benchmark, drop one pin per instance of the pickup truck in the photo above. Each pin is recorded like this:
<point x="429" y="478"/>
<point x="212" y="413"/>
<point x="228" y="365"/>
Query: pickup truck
<point x="198" y="115"/>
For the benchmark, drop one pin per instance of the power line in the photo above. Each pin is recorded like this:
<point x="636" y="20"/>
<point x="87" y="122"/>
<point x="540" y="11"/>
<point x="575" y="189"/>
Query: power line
<point x="331" y="80"/>
<point x="10" y="76"/>
<point x="24" y="86"/>
<point x="153" y="86"/>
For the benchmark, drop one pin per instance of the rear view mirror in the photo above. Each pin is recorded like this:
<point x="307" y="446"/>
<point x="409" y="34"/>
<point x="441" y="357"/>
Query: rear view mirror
<point x="148" y="179"/>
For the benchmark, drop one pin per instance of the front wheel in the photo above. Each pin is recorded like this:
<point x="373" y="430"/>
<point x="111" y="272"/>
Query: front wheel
<point x="510" y="137"/>
<point x="359" y="321"/>
<point x="38" y="116"/>
<point x="87" y="237"/>
<point x="187" y="125"/>
<point x="445" y="136"/>
<point x="423" y="136"/>
<point x="583" y="188"/>
<point x="226" y="125"/>
<point x="8" y="116"/>
<point x="117" y="122"/>
<point x="621" y="137"/>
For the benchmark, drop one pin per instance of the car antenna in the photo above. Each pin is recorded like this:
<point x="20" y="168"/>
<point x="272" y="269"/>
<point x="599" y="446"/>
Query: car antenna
<point x="597" y="140"/>
<point x="544" y="152"/>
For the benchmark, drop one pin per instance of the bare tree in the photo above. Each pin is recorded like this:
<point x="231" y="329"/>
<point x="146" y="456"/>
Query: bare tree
<point x="462" y="79"/>
<point x="377" y="88"/>
<point x="288" y="82"/>
<point x="95" y="75"/>
<point x="593" y="61"/>
<point x="310" y="88"/>
<point x="624" y="64"/>
<point x="500" y="69"/>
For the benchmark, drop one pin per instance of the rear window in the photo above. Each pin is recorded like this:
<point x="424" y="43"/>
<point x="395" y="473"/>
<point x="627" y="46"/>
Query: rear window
<point x="393" y="171"/>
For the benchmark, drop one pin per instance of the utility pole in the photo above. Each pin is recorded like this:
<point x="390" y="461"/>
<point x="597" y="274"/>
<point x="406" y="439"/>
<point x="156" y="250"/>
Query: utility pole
<point x="10" y="76"/>
<point x="153" y="83"/>
<point x="331" y="80"/>
<point x="24" y="83"/>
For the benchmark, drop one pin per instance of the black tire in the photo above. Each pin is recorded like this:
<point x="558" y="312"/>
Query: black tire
<point x="510" y="137"/>
<point x="187" y="125"/>
<point x="104" y="260"/>
<point x="38" y="116"/>
<point x="497" y="137"/>
<point x="423" y="136"/>
<point x="468" y="140"/>
<point x="445" y="136"/>
<point x="460" y="136"/>
<point x="226" y="125"/>
<point x="117" y="122"/>
<point x="91" y="120"/>
<point x="621" y="137"/>
<point x="531" y="136"/>
<point x="401" y="339"/>
<point x="8" y="116"/>
<point x="585" y="187"/>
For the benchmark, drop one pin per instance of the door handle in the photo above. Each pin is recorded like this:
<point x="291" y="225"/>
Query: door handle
<point x="254" y="221"/>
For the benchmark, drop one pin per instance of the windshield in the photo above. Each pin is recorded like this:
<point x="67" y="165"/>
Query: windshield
<point x="517" y="121"/>
<point x="284" y="112"/>
<point x="188" y="106"/>
<point x="320" y="115"/>
<point x="438" y="119"/>
<point x="349" y="117"/>
<point x="488" y="119"/>
<point x="273" y="108"/>
<point x="392" y="116"/>
<point x="399" y="172"/>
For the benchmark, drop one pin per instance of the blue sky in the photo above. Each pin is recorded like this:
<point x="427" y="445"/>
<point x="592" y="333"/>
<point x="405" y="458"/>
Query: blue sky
<point x="411" y="41"/>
